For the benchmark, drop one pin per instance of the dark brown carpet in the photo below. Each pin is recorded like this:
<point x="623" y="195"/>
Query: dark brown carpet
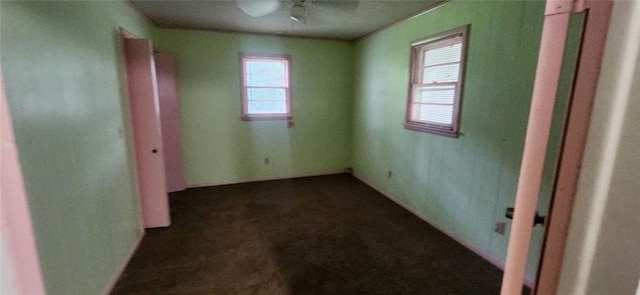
<point x="317" y="235"/>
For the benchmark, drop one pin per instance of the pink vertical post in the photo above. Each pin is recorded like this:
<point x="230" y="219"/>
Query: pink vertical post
<point x="554" y="34"/>
<point x="170" y="121"/>
<point x="15" y="220"/>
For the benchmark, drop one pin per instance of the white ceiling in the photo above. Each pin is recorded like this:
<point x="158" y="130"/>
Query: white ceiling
<point x="325" y="19"/>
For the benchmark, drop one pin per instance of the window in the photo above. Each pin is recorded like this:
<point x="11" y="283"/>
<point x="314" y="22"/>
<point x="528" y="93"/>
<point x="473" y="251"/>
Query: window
<point x="437" y="66"/>
<point x="265" y="87"/>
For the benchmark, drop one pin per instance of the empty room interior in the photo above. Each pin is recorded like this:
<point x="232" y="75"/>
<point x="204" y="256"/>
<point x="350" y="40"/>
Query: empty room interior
<point x="320" y="147"/>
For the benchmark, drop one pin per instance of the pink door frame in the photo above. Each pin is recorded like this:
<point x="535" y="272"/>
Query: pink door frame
<point x="559" y="216"/>
<point x="547" y="76"/>
<point x="15" y="219"/>
<point x="145" y="119"/>
<point x="170" y="121"/>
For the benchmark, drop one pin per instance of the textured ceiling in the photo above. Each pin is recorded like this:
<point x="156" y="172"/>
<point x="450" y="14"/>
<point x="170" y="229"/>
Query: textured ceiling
<point x="337" y="19"/>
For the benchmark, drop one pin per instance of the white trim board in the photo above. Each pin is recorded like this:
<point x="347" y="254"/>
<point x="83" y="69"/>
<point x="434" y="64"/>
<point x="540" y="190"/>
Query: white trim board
<point x="207" y="184"/>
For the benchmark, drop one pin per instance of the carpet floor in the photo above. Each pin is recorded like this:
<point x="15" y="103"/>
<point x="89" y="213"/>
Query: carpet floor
<point x="316" y="235"/>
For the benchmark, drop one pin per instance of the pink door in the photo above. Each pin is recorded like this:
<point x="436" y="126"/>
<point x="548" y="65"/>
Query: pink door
<point x="145" y="118"/>
<point x="170" y="121"/>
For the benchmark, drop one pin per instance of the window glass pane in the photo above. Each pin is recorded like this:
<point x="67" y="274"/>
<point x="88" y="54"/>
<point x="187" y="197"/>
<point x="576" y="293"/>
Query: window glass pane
<point x="441" y="74"/>
<point x="440" y="55"/>
<point x="264" y="67"/>
<point x="439" y="114"/>
<point x="266" y="94"/>
<point x="266" y="83"/>
<point x="435" y="94"/>
<point x="266" y="107"/>
<point x="436" y="71"/>
<point x="265" y="80"/>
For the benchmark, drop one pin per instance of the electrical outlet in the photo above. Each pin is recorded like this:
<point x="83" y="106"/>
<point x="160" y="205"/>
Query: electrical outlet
<point x="499" y="227"/>
<point x="389" y="174"/>
<point x="266" y="161"/>
<point x="120" y="132"/>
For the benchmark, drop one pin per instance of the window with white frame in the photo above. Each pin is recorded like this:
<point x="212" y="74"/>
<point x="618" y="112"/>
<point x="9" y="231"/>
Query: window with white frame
<point x="265" y="87"/>
<point x="437" y="67"/>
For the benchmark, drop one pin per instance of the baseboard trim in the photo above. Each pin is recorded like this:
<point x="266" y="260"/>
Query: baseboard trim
<point x="484" y="255"/>
<point x="207" y="184"/>
<point x="123" y="265"/>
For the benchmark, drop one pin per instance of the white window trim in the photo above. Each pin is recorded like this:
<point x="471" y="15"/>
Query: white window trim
<point x="245" y="116"/>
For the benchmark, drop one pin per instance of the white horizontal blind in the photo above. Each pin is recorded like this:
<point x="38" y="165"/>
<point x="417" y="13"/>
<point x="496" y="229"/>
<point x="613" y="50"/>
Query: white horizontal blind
<point x="437" y="82"/>
<point x="266" y="83"/>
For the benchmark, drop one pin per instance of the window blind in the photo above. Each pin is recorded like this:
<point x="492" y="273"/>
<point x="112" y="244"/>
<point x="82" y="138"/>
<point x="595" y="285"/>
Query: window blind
<point x="438" y="75"/>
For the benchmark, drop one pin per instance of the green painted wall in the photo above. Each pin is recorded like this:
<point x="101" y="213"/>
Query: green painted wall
<point x="62" y="64"/>
<point x="65" y="84"/>
<point x="462" y="185"/>
<point x="220" y="148"/>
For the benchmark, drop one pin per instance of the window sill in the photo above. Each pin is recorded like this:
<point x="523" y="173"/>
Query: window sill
<point x="430" y="130"/>
<point x="267" y="118"/>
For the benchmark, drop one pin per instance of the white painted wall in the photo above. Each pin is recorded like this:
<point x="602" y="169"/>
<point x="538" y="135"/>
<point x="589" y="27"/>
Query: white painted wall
<point x="603" y="250"/>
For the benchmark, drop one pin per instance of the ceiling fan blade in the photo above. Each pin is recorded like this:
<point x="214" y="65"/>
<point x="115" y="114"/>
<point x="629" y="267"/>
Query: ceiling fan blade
<point x="258" y="8"/>
<point x="342" y="5"/>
